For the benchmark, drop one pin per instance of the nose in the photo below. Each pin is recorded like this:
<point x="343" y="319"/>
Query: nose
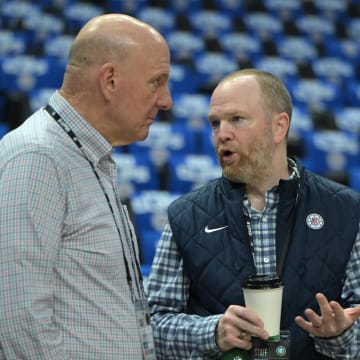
<point x="224" y="132"/>
<point x="165" y="99"/>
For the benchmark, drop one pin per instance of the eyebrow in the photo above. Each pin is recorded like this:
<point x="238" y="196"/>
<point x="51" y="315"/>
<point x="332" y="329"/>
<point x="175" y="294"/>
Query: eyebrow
<point x="211" y="116"/>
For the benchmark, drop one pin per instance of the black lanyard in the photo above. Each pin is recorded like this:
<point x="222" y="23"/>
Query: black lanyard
<point x="74" y="138"/>
<point x="279" y="262"/>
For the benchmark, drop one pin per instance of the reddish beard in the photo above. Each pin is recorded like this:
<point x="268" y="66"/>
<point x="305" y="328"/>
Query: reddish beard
<point x="252" y="166"/>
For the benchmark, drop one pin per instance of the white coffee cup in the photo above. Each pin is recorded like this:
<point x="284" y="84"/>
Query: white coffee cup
<point x="263" y="294"/>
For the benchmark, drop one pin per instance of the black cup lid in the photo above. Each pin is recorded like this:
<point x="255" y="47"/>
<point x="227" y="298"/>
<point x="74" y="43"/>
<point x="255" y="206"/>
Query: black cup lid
<point x="267" y="281"/>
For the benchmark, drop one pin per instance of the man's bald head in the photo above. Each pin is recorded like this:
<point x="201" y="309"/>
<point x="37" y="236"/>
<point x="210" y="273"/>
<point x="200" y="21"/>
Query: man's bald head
<point x="109" y="37"/>
<point x="117" y="76"/>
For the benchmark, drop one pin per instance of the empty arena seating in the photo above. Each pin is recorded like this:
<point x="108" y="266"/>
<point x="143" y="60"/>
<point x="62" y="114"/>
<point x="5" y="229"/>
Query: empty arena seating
<point x="135" y="172"/>
<point x="149" y="208"/>
<point x="331" y="152"/>
<point x="312" y="45"/>
<point x="188" y="172"/>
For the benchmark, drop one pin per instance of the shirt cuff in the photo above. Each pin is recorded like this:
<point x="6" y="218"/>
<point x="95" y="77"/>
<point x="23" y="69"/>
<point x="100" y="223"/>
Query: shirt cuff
<point x="206" y="334"/>
<point x="335" y="345"/>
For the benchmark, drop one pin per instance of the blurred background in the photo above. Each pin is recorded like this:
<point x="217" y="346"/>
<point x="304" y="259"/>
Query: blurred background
<point x="312" y="45"/>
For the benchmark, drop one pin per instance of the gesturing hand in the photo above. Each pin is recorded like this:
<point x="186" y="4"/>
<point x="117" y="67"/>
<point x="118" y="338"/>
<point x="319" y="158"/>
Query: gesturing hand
<point x="333" y="319"/>
<point x="237" y="326"/>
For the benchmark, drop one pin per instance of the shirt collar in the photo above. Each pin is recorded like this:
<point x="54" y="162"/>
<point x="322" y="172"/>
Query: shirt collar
<point x="295" y="174"/>
<point x="94" y="145"/>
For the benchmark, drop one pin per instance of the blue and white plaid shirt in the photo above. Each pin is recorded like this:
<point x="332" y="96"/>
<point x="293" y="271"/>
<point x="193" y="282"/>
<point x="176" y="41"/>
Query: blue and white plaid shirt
<point x="180" y="335"/>
<point x="64" y="292"/>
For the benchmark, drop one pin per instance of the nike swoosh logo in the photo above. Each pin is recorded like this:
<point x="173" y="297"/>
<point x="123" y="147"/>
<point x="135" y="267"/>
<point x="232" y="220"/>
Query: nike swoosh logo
<point x="208" y="230"/>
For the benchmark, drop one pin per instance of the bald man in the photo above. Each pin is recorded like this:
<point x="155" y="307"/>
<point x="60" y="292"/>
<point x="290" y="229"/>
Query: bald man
<point x="71" y="286"/>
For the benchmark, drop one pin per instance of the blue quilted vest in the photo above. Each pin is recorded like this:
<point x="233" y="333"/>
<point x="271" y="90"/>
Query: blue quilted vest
<point x="218" y="262"/>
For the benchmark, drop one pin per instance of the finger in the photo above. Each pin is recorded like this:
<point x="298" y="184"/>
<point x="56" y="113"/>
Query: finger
<point x="243" y="340"/>
<point x="312" y="323"/>
<point x="231" y="330"/>
<point x="243" y="343"/>
<point x="230" y="339"/>
<point x="353" y="312"/>
<point x="337" y="311"/>
<point x="248" y="315"/>
<point x="313" y="318"/>
<point x="315" y="328"/>
<point x="325" y="307"/>
<point x="305" y="325"/>
<point x="244" y="335"/>
<point x="248" y="320"/>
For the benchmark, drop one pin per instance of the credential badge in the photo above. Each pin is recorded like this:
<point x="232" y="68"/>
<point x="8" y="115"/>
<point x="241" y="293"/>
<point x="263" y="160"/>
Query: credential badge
<point x="315" y="221"/>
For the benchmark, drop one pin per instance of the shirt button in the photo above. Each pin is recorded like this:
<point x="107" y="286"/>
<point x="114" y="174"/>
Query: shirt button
<point x="246" y="202"/>
<point x="266" y="260"/>
<point x="264" y="218"/>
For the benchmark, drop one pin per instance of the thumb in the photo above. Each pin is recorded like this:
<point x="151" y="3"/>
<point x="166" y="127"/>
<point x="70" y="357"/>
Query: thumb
<point x="353" y="312"/>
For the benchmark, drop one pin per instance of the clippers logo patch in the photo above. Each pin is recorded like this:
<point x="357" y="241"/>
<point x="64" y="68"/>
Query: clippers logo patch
<point x="315" y="221"/>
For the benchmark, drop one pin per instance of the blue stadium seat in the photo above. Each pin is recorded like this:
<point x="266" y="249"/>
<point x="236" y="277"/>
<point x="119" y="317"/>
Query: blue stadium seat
<point x="284" y="68"/>
<point x="3" y="100"/>
<point x="343" y="49"/>
<point x="315" y="26"/>
<point x="315" y="93"/>
<point x="289" y="9"/>
<point x="212" y="67"/>
<point x="4" y="129"/>
<point x="185" y="6"/>
<point x="25" y="73"/>
<point x="145" y="272"/>
<point x="354" y="178"/>
<point x="165" y="139"/>
<point x="149" y="208"/>
<point x="77" y="14"/>
<point x="331" y="152"/>
<point x="188" y="172"/>
<point x="263" y="25"/>
<point x="161" y="19"/>
<point x="54" y="4"/>
<point x="58" y="46"/>
<point x="42" y="25"/>
<point x="332" y="9"/>
<point x="191" y="110"/>
<point x="353" y="27"/>
<point x="184" y="44"/>
<point x="352" y="93"/>
<point x="182" y="80"/>
<point x="333" y="69"/>
<point x="206" y="143"/>
<point x="210" y="23"/>
<point x="130" y="7"/>
<point x="231" y="7"/>
<point x="13" y="12"/>
<point x="241" y="45"/>
<point x="301" y="122"/>
<point x="148" y="243"/>
<point x="297" y="48"/>
<point x="12" y="43"/>
<point x="135" y="172"/>
<point x="348" y="119"/>
<point x="39" y="97"/>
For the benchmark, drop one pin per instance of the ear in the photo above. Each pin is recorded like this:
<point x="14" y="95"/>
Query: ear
<point x="280" y="127"/>
<point x="107" y="80"/>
